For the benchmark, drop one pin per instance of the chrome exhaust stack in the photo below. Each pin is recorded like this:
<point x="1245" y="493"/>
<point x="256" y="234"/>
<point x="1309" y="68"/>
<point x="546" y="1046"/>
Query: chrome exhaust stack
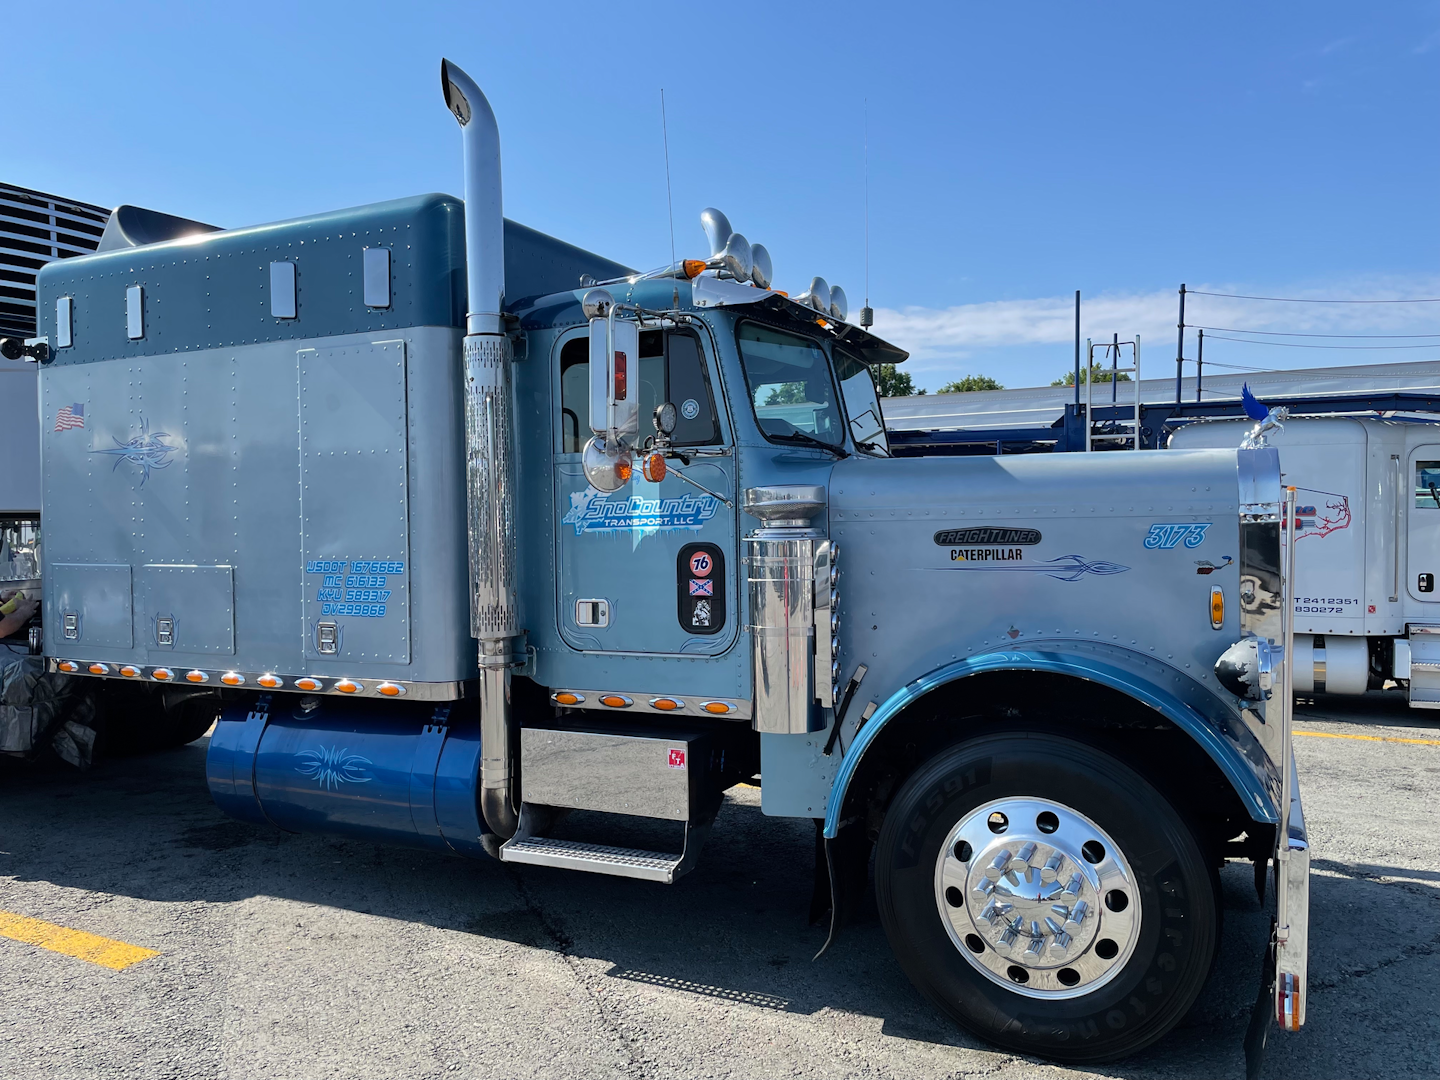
<point x="489" y="444"/>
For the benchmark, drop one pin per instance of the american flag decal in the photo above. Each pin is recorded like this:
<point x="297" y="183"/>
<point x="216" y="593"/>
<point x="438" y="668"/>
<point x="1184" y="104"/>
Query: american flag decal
<point x="71" y="416"/>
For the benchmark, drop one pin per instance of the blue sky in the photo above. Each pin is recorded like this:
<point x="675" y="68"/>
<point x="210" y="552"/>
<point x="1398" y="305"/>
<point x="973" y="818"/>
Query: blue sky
<point x="1017" y="152"/>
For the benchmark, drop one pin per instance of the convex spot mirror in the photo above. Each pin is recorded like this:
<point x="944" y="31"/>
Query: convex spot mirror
<point x="614" y="378"/>
<point x="607" y="466"/>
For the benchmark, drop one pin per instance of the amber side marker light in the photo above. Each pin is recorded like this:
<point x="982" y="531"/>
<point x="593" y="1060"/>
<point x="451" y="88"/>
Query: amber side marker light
<point x="233" y="678"/>
<point x="68" y="665"/>
<point x="718" y="707"/>
<point x="163" y="674"/>
<point x="1217" y="607"/>
<point x="196" y="676"/>
<point x="665" y="704"/>
<point x="130" y="671"/>
<point x="99" y="669"/>
<point x="565" y="697"/>
<point x="270" y="682"/>
<point x="390" y="689"/>
<point x="615" y="701"/>
<point x="307" y="684"/>
<point x="348" y="686"/>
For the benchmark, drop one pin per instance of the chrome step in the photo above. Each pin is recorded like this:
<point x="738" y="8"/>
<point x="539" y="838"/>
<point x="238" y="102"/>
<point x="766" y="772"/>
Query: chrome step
<point x="527" y="847"/>
<point x="573" y="855"/>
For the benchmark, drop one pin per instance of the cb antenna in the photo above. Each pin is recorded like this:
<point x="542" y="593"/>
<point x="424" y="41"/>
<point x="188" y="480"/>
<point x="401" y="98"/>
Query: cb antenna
<point x="867" y="316"/>
<point x="669" y="200"/>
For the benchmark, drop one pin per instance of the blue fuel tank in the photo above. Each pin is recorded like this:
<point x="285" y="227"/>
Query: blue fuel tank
<point x="388" y="772"/>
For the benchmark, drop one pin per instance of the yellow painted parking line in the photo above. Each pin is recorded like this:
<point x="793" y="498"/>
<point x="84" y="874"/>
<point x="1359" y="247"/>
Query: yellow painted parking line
<point x="1366" y="738"/>
<point x="107" y="952"/>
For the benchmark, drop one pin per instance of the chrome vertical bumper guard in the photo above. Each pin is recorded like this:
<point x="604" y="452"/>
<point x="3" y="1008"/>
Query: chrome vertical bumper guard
<point x="1292" y="849"/>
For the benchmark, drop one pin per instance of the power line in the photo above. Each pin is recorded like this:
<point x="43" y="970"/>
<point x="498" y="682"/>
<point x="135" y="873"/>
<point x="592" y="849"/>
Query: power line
<point x="1306" y="300"/>
<point x="1300" y="345"/>
<point x="1287" y="333"/>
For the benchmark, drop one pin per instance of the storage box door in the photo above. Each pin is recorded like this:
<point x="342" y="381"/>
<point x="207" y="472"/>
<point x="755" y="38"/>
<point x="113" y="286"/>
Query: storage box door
<point x="1423" y="530"/>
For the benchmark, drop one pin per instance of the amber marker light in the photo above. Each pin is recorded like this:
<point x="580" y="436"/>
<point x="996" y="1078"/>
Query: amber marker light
<point x="623" y="469"/>
<point x="665" y="704"/>
<point x="270" y="682"/>
<point x="233" y="678"/>
<point x="654" y="467"/>
<point x="390" y="689"/>
<point x="99" y="669"/>
<point x="68" y="665"/>
<point x="1217" y="607"/>
<point x="615" y="701"/>
<point x="130" y="671"/>
<point x="196" y="676"/>
<point x="348" y="686"/>
<point x="693" y="268"/>
<point x="717" y="707"/>
<point x="307" y="684"/>
<point x="565" y="697"/>
<point x="163" y="674"/>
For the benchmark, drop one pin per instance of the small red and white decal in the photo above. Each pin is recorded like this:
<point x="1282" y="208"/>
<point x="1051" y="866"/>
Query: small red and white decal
<point x="701" y="564"/>
<point x="677" y="757"/>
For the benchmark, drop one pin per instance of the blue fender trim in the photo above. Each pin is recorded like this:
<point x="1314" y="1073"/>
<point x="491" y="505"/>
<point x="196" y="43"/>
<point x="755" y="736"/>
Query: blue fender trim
<point x="1230" y="745"/>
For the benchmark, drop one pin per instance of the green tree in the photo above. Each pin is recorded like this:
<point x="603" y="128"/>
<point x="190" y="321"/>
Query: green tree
<point x="969" y="383"/>
<point x="790" y="393"/>
<point x="893" y="383"/>
<point x="1098" y="373"/>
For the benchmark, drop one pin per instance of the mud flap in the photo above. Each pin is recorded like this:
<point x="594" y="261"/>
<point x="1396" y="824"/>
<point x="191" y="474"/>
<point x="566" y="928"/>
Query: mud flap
<point x="1262" y="1017"/>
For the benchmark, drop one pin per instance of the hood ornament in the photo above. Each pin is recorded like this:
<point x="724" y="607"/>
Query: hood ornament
<point x="1267" y="420"/>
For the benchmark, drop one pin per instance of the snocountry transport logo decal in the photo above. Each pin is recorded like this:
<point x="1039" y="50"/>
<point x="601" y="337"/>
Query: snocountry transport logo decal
<point x="592" y="511"/>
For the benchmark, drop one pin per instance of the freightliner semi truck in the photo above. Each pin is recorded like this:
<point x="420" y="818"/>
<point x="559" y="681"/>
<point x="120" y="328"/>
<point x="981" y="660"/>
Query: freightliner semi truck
<point x="461" y="528"/>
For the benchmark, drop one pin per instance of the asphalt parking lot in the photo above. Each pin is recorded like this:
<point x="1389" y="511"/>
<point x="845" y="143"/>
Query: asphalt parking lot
<point x="299" y="956"/>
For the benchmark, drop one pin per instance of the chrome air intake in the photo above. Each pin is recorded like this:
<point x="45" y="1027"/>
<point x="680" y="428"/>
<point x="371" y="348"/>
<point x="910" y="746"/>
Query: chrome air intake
<point x="489" y="441"/>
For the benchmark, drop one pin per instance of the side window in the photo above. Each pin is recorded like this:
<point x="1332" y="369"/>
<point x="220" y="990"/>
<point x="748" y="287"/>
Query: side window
<point x="575" y="395"/>
<point x="857" y="386"/>
<point x="1427" y="485"/>
<point x="671" y="368"/>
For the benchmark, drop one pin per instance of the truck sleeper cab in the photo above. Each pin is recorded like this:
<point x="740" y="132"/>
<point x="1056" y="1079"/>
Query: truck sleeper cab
<point x="444" y="578"/>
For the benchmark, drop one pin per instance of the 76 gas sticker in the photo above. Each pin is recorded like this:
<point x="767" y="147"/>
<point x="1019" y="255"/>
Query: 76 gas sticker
<point x="701" y="564"/>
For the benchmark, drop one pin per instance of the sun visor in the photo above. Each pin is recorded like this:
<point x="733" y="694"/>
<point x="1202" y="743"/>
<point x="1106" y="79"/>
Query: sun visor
<point x="134" y="226"/>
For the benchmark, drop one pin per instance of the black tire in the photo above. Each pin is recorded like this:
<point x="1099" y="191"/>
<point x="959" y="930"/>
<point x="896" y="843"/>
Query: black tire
<point x="1174" y="943"/>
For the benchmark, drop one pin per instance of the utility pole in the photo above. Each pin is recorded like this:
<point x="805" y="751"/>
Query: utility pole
<point x="1077" y="352"/>
<point x="1180" y="344"/>
<point x="1199" y="363"/>
<point x="1115" y="370"/>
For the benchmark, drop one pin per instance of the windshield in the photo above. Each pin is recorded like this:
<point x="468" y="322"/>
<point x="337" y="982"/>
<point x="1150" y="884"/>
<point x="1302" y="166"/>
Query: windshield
<point x="867" y="425"/>
<point x="790" y="385"/>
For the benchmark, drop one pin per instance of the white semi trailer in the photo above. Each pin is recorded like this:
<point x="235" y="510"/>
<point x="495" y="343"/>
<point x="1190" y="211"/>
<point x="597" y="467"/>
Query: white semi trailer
<point x="1367" y="548"/>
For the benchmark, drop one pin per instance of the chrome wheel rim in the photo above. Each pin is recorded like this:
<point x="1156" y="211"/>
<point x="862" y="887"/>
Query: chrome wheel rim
<point x="1038" y="898"/>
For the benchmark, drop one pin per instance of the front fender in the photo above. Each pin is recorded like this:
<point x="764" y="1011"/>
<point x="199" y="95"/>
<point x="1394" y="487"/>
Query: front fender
<point x="1186" y="703"/>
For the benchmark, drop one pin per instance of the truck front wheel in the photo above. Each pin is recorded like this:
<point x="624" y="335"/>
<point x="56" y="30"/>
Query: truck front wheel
<point x="1046" y="896"/>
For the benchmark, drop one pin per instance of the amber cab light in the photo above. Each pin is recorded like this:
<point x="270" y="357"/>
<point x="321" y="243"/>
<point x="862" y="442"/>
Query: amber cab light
<point x="164" y="674"/>
<point x="654" y="467"/>
<point x="615" y="701"/>
<point x="390" y="689"/>
<point x="665" y="704"/>
<point x="347" y="686"/>
<point x="130" y="671"/>
<point x="99" y="669"/>
<point x="693" y="268"/>
<point x="68" y="665"/>
<point x="307" y="684"/>
<point x="270" y="682"/>
<point x="623" y="469"/>
<point x="565" y="697"/>
<point x="233" y="678"/>
<point x="719" y="707"/>
<point x="196" y="676"/>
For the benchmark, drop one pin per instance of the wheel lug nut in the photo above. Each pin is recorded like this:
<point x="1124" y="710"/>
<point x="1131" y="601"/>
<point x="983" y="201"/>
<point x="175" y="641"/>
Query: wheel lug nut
<point x="1021" y="862"/>
<point x="1051" y="870"/>
<point x="1077" y="917"/>
<point x="998" y="865"/>
<point x="1072" y="890"/>
<point x="1059" y="943"/>
<point x="983" y="887"/>
<point x="988" y="913"/>
<point x="1034" y="948"/>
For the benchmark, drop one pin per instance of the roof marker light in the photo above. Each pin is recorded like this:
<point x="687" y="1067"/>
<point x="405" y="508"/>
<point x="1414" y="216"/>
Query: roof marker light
<point x="693" y="268"/>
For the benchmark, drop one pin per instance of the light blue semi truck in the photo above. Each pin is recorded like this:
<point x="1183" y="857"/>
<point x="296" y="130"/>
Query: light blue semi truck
<point x="457" y="527"/>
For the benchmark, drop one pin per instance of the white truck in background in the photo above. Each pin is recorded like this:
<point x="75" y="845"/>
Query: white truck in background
<point x="1367" y="548"/>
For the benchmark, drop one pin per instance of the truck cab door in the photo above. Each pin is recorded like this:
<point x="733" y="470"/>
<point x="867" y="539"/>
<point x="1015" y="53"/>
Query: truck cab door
<point x="650" y="568"/>
<point x="1422" y="538"/>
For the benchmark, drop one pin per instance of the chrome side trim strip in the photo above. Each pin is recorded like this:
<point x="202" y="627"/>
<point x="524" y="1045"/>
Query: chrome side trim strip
<point x="692" y="704"/>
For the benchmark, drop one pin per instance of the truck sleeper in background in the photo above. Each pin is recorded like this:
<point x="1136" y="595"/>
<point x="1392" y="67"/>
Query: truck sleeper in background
<point x="458" y="527"/>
